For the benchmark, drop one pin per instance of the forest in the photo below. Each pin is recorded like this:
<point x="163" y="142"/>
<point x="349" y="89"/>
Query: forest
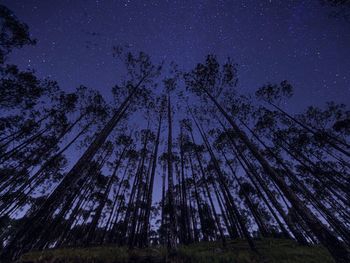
<point x="171" y="158"/>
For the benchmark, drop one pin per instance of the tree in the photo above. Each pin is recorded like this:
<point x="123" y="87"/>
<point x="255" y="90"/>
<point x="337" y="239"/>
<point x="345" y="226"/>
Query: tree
<point x="14" y="34"/>
<point x="143" y="71"/>
<point x="206" y="79"/>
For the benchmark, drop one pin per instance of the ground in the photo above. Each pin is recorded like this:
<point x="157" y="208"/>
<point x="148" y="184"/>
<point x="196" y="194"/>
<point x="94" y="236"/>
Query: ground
<point x="270" y="250"/>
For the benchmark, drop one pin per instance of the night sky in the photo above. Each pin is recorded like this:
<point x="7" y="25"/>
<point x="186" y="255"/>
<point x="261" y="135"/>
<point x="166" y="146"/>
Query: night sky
<point x="270" y="40"/>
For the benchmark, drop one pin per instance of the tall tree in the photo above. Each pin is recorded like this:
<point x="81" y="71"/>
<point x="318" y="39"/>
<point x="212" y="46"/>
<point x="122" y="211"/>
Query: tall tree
<point x="208" y="80"/>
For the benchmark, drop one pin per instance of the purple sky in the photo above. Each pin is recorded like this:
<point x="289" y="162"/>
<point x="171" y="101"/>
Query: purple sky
<point x="270" y="40"/>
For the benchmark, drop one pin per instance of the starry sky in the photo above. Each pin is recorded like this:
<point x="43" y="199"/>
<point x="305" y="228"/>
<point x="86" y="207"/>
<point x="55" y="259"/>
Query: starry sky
<point x="271" y="40"/>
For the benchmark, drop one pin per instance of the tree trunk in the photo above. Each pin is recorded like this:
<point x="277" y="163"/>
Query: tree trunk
<point x="145" y="233"/>
<point x="337" y="249"/>
<point x="171" y="244"/>
<point x="22" y="240"/>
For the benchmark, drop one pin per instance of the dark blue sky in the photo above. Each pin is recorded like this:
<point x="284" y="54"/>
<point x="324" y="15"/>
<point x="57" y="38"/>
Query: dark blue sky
<point x="272" y="40"/>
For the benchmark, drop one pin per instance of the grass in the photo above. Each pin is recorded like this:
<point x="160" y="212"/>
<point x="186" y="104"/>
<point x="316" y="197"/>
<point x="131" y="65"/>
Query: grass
<point x="95" y="255"/>
<point x="271" y="250"/>
<point x="237" y="251"/>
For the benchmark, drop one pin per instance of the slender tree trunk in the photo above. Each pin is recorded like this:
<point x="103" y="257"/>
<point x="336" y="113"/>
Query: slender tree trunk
<point x="137" y="205"/>
<point x="199" y="202"/>
<point x="163" y="226"/>
<point x="223" y="183"/>
<point x="35" y="179"/>
<point x="22" y="240"/>
<point x="306" y="192"/>
<point x="171" y="244"/>
<point x="262" y="227"/>
<point x="337" y="249"/>
<point x="216" y="217"/>
<point x="185" y="219"/>
<point x="328" y="138"/>
<point x="145" y="234"/>
<point x="105" y="194"/>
